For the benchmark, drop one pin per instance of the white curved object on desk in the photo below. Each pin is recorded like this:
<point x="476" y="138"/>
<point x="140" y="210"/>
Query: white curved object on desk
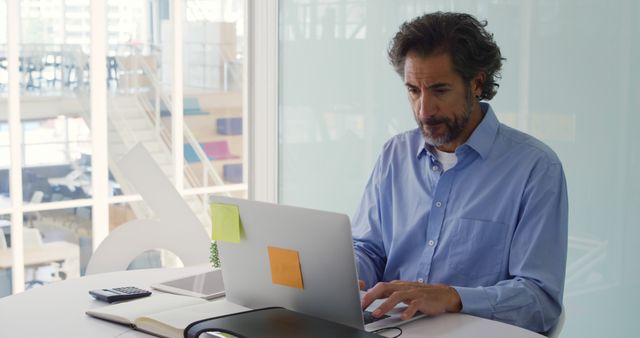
<point x="176" y="228"/>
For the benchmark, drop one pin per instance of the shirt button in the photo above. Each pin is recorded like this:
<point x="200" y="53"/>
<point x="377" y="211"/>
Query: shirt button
<point x="420" y="280"/>
<point x="435" y="168"/>
<point x="431" y="242"/>
<point x="438" y="204"/>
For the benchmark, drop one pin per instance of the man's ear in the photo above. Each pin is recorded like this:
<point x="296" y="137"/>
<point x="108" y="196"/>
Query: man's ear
<point x="477" y="83"/>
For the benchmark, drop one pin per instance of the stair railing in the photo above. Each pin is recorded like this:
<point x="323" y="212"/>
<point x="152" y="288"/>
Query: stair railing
<point x="154" y="114"/>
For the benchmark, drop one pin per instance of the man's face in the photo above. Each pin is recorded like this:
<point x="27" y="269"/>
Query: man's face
<point x="442" y="103"/>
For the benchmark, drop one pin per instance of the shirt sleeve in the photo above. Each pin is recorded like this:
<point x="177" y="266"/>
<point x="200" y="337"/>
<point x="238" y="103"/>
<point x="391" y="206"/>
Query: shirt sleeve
<point x="367" y="236"/>
<point x="532" y="298"/>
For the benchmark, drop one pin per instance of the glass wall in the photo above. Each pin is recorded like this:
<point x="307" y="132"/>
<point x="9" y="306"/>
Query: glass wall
<point x="5" y="201"/>
<point x="55" y="114"/>
<point x="56" y="137"/>
<point x="5" y="255"/>
<point x="213" y="59"/>
<point x="571" y="79"/>
<point x="134" y="86"/>
<point x="140" y="79"/>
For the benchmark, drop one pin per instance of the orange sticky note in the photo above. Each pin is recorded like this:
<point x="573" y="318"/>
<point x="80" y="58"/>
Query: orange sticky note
<point x="285" y="267"/>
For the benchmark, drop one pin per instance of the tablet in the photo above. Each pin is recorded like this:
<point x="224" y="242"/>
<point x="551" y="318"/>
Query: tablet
<point x="207" y="285"/>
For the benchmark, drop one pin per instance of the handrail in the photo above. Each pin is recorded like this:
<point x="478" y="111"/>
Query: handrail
<point x="164" y="136"/>
<point x="188" y="135"/>
<point x="36" y="53"/>
<point x="52" y="58"/>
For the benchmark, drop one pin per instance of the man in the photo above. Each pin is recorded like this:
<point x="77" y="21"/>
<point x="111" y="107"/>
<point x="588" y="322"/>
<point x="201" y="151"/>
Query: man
<point x="462" y="214"/>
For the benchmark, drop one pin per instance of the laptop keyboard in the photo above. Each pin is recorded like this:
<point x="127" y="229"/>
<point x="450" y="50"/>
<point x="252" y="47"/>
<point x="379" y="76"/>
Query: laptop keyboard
<point x="369" y="318"/>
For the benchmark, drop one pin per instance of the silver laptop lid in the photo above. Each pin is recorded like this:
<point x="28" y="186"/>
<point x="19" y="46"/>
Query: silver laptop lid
<point x="323" y="242"/>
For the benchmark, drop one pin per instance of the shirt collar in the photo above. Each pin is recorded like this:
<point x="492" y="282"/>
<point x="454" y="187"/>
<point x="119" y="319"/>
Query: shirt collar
<point x="422" y="146"/>
<point x="480" y="140"/>
<point x="483" y="136"/>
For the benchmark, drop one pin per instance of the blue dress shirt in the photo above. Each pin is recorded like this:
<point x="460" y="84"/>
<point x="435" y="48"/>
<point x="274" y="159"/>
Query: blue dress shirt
<point x="494" y="226"/>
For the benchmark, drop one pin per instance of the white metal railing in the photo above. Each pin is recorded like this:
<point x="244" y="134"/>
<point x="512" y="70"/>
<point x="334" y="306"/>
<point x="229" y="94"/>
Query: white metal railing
<point x="50" y="69"/>
<point x="154" y="115"/>
<point x="44" y="68"/>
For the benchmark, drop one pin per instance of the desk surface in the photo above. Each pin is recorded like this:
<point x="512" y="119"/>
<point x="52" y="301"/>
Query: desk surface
<point x="58" y="310"/>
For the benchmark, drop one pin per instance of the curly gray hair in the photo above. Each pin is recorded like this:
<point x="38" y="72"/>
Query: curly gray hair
<point x="462" y="36"/>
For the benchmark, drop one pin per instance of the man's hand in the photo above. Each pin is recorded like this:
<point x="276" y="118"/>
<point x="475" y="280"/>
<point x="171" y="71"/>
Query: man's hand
<point x="430" y="299"/>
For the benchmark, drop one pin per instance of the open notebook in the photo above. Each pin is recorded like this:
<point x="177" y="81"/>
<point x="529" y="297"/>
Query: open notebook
<point x="164" y="315"/>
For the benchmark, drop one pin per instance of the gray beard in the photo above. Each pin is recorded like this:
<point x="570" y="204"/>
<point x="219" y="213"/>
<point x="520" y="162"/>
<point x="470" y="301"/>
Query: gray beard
<point x="455" y="126"/>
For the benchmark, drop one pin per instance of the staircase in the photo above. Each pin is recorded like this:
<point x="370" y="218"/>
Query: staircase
<point x="129" y="124"/>
<point x="134" y="117"/>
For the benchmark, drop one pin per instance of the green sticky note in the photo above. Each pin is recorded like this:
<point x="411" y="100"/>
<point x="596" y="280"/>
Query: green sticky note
<point x="225" y="220"/>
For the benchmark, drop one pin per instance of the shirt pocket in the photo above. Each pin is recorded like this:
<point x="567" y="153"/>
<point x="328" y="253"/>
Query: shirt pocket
<point x="476" y="248"/>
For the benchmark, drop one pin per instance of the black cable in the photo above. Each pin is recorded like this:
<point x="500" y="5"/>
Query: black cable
<point x="390" y="328"/>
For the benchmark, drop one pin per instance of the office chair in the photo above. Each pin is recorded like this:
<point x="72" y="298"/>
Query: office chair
<point x="32" y="240"/>
<point x="49" y="271"/>
<point x="112" y="71"/>
<point x="56" y="233"/>
<point x="72" y="180"/>
<point x="3" y="242"/>
<point x="36" y="198"/>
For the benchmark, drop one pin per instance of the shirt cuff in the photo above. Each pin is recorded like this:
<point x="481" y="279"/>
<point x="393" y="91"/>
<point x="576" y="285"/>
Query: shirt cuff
<point x="365" y="270"/>
<point x="475" y="301"/>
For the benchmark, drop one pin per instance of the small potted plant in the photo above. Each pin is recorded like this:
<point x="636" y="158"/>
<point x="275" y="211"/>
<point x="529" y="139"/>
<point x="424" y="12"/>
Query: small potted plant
<point x="214" y="258"/>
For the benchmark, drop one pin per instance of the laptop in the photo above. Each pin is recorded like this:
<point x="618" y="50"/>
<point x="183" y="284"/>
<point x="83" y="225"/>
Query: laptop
<point x="325" y="250"/>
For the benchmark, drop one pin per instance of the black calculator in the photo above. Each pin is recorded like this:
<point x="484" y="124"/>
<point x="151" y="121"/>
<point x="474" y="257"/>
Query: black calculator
<point x="117" y="294"/>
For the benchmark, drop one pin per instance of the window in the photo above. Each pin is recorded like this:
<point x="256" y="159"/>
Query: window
<point x="567" y="81"/>
<point x="57" y="144"/>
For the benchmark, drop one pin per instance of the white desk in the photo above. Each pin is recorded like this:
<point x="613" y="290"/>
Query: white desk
<point x="58" y="310"/>
<point x="47" y="253"/>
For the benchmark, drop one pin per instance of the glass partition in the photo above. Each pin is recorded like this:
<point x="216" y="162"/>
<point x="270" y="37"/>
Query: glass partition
<point x="136" y="91"/>
<point x="55" y="114"/>
<point x="54" y="101"/>
<point x="571" y="79"/>
<point x="56" y="138"/>
<point x="213" y="61"/>
<point x="5" y="256"/>
<point x="5" y="201"/>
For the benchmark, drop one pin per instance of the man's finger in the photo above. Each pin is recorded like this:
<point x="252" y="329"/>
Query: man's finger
<point x="384" y="290"/>
<point x="393" y="300"/>
<point x="380" y="290"/>
<point x="361" y="284"/>
<point x="405" y="283"/>
<point x="410" y="311"/>
<point x="372" y="294"/>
